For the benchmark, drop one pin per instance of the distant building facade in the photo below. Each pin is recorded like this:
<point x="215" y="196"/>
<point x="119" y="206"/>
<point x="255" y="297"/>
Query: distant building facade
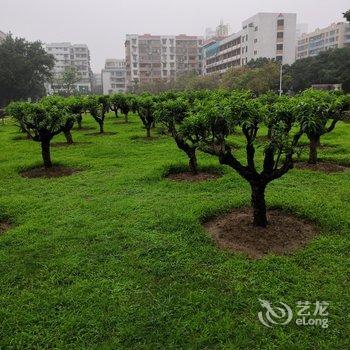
<point x="152" y="58"/>
<point x="70" y="55"/>
<point x="96" y="83"/>
<point x="302" y="28"/>
<point x="113" y="76"/>
<point x="337" y="35"/>
<point x="270" y="35"/>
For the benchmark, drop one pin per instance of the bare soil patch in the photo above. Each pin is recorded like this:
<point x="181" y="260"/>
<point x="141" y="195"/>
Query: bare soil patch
<point x="55" y="171"/>
<point x="4" y="226"/>
<point x="65" y="144"/>
<point x="284" y="234"/>
<point x="144" y="138"/>
<point x="321" y="166"/>
<point x="106" y="133"/>
<point x="188" y="176"/>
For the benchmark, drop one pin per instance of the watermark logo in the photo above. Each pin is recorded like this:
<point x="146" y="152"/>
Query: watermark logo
<point x="273" y="315"/>
<point x="307" y="314"/>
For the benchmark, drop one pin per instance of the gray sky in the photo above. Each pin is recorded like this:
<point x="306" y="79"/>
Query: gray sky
<point x="102" y="24"/>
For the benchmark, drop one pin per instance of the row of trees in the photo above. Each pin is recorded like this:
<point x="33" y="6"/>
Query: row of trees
<point x="204" y="120"/>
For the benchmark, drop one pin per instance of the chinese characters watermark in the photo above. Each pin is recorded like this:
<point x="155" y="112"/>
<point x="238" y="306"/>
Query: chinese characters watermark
<point x="307" y="314"/>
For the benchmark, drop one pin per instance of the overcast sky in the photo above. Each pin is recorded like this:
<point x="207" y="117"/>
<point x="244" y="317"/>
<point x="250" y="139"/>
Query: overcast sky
<point x="102" y="24"/>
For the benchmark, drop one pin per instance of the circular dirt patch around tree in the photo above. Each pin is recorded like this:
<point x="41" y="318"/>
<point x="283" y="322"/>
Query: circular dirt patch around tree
<point x="188" y="176"/>
<point x="284" y="234"/>
<point x="106" y="133"/>
<point x="55" y="171"/>
<point x="321" y="166"/>
<point x="65" y="144"/>
<point x="4" y="226"/>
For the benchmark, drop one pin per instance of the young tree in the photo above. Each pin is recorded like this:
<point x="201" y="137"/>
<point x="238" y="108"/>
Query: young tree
<point x="69" y="78"/>
<point x="171" y="114"/>
<point x="97" y="107"/>
<point x="145" y="108"/>
<point x="41" y="121"/>
<point x="24" y="68"/>
<point x="120" y="102"/>
<point x="76" y="105"/>
<point x="215" y="121"/>
<point x="347" y="15"/>
<point x="318" y="113"/>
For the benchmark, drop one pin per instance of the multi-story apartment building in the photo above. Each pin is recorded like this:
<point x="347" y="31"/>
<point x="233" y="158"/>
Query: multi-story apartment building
<point x="2" y="36"/>
<point x="67" y="55"/>
<point x="113" y="76"/>
<point x="337" y="35"/>
<point x="270" y="35"/>
<point x="151" y="58"/>
<point x="96" y="83"/>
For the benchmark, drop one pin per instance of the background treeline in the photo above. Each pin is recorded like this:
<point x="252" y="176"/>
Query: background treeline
<point x="263" y="74"/>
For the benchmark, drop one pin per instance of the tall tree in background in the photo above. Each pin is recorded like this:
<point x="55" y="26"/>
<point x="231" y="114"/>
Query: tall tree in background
<point x="69" y="78"/>
<point x="347" y="15"/>
<point x="328" y="67"/>
<point x="24" y="67"/>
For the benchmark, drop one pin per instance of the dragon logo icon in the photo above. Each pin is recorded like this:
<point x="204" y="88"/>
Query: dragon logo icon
<point x="274" y="315"/>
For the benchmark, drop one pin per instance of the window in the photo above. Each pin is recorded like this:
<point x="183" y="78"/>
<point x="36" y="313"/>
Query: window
<point x="256" y="29"/>
<point x="279" y="47"/>
<point x="280" y="22"/>
<point x="255" y="52"/>
<point x="280" y="35"/>
<point x="255" y="40"/>
<point x="279" y="58"/>
<point x="164" y="41"/>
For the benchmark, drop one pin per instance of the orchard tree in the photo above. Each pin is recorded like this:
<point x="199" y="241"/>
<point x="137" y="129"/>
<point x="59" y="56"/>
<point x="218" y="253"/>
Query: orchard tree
<point x="318" y="113"/>
<point x="145" y="108"/>
<point x="97" y="107"/>
<point x="41" y="121"/>
<point x="171" y="114"/>
<point x="76" y="106"/>
<point x="115" y="103"/>
<point x="214" y="122"/>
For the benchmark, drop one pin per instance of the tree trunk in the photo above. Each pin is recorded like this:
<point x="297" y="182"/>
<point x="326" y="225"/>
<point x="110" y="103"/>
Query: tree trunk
<point x="79" y="121"/>
<point x="68" y="136"/>
<point x="314" y="142"/>
<point x="193" y="163"/>
<point x="269" y="133"/>
<point x="148" y="131"/>
<point x="126" y="118"/>
<point x="116" y="112"/>
<point x="45" y="152"/>
<point x="259" y="205"/>
<point x="101" y="127"/>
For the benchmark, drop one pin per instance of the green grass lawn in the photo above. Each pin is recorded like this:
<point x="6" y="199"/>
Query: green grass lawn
<point x="115" y="257"/>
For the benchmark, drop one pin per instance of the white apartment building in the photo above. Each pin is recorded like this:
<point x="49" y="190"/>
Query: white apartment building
<point x="270" y="35"/>
<point x="337" y="35"/>
<point x="68" y="55"/>
<point x="152" y="58"/>
<point x="113" y="76"/>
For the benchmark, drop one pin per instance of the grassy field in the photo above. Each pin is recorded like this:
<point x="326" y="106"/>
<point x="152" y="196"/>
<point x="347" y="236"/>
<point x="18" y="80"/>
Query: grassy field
<point x="115" y="257"/>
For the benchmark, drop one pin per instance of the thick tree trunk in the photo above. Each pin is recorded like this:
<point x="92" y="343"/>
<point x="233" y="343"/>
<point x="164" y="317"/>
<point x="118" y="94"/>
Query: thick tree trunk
<point x="269" y="133"/>
<point x="148" y="131"/>
<point x="314" y="143"/>
<point x="68" y="136"/>
<point x="100" y="123"/>
<point x="193" y="163"/>
<point x="45" y="152"/>
<point x="259" y="205"/>
<point x="79" y="121"/>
